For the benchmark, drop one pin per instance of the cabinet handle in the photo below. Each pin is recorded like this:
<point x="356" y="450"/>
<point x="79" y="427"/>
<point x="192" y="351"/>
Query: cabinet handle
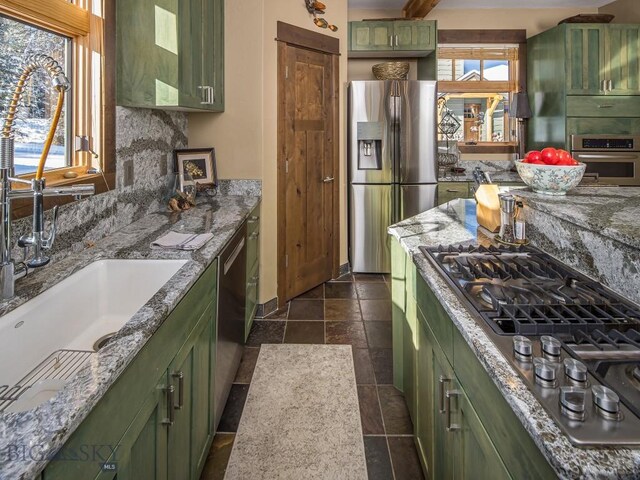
<point x="180" y="377"/>
<point x="451" y="190"/>
<point x="397" y="43"/>
<point x="391" y="41"/>
<point x="442" y="380"/>
<point x="328" y="179"/>
<point x="212" y="95"/>
<point x="253" y="219"/>
<point x="607" y="105"/>
<point x="610" y="85"/>
<point x="254" y="235"/>
<point x="170" y="410"/>
<point x="603" y="86"/>
<point x="451" y="393"/>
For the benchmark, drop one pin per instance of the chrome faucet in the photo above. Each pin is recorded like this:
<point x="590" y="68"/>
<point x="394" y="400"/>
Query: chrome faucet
<point x="38" y="241"/>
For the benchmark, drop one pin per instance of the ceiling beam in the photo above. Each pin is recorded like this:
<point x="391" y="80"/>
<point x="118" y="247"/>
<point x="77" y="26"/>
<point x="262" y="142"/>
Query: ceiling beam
<point x="418" y="8"/>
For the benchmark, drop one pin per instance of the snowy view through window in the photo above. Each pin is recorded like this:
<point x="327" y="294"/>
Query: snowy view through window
<point x="17" y="42"/>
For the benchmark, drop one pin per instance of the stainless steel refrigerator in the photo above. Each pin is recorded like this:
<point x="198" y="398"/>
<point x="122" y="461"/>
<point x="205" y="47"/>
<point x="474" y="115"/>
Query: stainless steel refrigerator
<point x="393" y="171"/>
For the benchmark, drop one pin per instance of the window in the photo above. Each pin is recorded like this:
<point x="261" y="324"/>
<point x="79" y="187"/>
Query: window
<point x="476" y="85"/>
<point x="72" y="32"/>
<point x="19" y="40"/>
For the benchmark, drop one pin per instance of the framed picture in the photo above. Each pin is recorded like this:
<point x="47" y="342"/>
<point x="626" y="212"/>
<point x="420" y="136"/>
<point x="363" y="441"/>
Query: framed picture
<point x="199" y="163"/>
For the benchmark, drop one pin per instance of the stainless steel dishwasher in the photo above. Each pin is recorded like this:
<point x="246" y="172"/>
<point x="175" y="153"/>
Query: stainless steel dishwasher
<point x="232" y="295"/>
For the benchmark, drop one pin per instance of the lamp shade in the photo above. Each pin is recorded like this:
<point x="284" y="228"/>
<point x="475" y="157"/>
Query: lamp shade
<point x="520" y="106"/>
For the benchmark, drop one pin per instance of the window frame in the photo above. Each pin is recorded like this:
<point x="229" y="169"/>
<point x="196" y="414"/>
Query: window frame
<point x="91" y="26"/>
<point x="487" y="39"/>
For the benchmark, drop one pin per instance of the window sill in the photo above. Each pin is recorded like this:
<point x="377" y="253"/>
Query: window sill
<point x="24" y="207"/>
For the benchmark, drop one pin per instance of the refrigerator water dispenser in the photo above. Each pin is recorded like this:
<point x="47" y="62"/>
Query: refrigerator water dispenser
<point x="370" y="145"/>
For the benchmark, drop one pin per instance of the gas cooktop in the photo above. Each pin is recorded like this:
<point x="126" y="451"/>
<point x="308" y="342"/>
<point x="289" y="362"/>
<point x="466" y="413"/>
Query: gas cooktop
<point x="575" y="343"/>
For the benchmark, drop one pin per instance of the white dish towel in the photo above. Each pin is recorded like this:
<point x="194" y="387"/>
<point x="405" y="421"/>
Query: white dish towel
<point x="182" y="241"/>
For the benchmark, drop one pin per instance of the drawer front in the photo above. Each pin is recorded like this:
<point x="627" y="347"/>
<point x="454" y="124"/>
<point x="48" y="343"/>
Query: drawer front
<point x="437" y="319"/>
<point x="253" y="245"/>
<point x="603" y="106"/>
<point x="613" y="126"/>
<point x="448" y="191"/>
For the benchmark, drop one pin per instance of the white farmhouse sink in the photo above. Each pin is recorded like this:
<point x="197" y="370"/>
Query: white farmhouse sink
<point x="74" y="314"/>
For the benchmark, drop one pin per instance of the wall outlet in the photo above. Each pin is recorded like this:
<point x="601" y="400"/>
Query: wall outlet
<point x="128" y="173"/>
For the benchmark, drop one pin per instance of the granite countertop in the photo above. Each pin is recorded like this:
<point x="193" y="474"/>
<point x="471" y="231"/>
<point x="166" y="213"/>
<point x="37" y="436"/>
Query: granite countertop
<point x="40" y="432"/>
<point x="501" y="176"/>
<point x="611" y="211"/>
<point x="455" y="223"/>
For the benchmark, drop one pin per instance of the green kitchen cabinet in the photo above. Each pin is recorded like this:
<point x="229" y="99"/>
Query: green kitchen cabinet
<point x="189" y="434"/>
<point x="583" y="79"/>
<point x="170" y="54"/>
<point x="463" y="426"/>
<point x="253" y="268"/>
<point x="378" y="38"/>
<point x="603" y="59"/>
<point x="475" y="456"/>
<point x="157" y="416"/>
<point x="371" y="36"/>
<point x="448" y="191"/>
<point x="142" y="451"/>
<point x="623" y="59"/>
<point x="585" y="45"/>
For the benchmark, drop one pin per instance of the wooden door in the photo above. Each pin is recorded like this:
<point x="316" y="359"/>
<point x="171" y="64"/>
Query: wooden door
<point x="307" y="193"/>
<point x="623" y="64"/>
<point x="585" y="59"/>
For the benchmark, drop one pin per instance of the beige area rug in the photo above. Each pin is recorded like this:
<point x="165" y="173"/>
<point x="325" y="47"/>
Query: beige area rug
<point x="301" y="418"/>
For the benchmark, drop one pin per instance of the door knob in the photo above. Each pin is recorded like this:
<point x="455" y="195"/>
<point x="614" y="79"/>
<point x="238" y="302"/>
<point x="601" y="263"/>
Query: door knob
<point x="328" y="179"/>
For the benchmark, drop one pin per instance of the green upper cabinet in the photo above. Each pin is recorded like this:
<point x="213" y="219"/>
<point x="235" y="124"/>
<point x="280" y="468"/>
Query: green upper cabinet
<point x="371" y="36"/>
<point x="623" y="59"/>
<point x="170" y="54"/>
<point x="603" y="59"/>
<point x="380" y="38"/>
<point x="586" y="59"/>
<point x="415" y="35"/>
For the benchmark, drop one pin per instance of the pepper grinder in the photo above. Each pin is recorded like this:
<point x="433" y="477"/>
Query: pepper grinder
<point x="507" y="214"/>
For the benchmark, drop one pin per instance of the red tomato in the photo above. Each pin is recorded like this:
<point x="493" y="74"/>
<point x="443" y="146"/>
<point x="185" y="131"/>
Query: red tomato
<point x="550" y="156"/>
<point x="563" y="156"/>
<point x="533" y="155"/>
<point x="537" y="162"/>
<point x="564" y="162"/>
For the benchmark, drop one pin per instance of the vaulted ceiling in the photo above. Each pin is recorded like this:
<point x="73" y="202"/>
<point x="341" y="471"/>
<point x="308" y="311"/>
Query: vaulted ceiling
<point x="445" y="4"/>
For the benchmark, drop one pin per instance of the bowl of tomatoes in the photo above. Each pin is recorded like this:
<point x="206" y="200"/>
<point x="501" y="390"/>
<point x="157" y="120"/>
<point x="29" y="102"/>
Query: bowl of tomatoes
<point x="550" y="171"/>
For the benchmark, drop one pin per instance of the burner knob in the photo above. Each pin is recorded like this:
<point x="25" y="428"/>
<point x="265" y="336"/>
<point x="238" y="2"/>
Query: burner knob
<point x="572" y="402"/>
<point x="522" y="348"/>
<point x="545" y="372"/>
<point x="575" y="370"/>
<point x="551" y="347"/>
<point x="606" y="401"/>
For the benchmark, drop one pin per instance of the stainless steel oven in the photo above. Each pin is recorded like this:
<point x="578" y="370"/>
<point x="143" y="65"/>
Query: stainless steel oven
<point x="614" y="158"/>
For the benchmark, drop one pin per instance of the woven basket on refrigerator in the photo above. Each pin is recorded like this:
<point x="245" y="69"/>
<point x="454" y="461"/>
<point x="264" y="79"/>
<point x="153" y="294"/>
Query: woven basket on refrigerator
<point x="391" y="70"/>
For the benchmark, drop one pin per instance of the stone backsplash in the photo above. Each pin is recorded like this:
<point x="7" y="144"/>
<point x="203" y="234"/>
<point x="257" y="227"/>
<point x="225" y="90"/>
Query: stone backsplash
<point x="145" y="141"/>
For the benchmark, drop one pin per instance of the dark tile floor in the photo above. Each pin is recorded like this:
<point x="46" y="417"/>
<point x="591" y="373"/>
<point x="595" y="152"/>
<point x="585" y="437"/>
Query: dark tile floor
<point x="352" y="310"/>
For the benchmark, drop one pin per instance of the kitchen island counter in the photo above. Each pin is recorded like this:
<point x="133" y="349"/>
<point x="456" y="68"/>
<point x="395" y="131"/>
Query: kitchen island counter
<point x="455" y="223"/>
<point x="29" y="439"/>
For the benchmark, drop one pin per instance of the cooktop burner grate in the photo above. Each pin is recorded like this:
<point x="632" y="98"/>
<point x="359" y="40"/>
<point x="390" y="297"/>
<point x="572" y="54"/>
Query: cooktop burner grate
<point x="525" y="291"/>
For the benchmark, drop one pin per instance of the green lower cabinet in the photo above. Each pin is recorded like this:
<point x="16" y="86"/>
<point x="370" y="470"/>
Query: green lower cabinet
<point x="156" y="421"/>
<point x="142" y="451"/>
<point x="475" y="457"/>
<point x="253" y="266"/>
<point x="463" y="426"/>
<point x="189" y="375"/>
<point x="448" y="191"/>
<point x="424" y="423"/>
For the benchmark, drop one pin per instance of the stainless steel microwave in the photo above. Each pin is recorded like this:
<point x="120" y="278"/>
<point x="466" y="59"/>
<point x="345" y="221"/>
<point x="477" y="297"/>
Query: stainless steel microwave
<point x="614" y="158"/>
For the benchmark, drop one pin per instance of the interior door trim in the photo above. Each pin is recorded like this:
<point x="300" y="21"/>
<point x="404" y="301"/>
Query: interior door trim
<point x="301" y="38"/>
